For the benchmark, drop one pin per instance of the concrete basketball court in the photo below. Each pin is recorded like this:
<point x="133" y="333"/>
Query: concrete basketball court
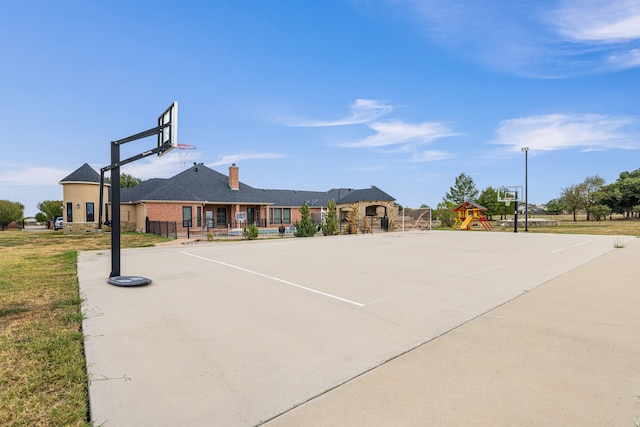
<point x="395" y="329"/>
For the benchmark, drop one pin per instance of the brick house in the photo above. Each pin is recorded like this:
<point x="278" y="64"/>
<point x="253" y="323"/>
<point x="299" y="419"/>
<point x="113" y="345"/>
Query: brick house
<point x="203" y="199"/>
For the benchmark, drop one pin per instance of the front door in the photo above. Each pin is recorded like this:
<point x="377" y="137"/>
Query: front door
<point x="208" y="216"/>
<point x="250" y="216"/>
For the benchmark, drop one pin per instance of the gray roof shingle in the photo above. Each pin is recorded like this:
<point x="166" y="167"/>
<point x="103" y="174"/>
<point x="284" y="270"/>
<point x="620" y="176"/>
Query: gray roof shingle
<point x="84" y="173"/>
<point x="202" y="184"/>
<point x="373" y="193"/>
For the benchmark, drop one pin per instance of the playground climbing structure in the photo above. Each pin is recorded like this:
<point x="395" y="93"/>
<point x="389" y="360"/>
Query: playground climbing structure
<point x="469" y="213"/>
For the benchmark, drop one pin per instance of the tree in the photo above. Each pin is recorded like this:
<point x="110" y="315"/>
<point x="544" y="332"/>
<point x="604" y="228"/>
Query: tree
<point x="10" y="212"/>
<point x="600" y="211"/>
<point x="489" y="199"/>
<point x="41" y="217"/>
<point x="444" y="212"/>
<point x="611" y="197"/>
<point x="51" y="208"/>
<point x="305" y="227"/>
<point x="464" y="190"/>
<point x="574" y="198"/>
<point x="592" y="192"/>
<point x="629" y="193"/>
<point x="330" y="224"/>
<point x="126" y="180"/>
<point x="556" y="206"/>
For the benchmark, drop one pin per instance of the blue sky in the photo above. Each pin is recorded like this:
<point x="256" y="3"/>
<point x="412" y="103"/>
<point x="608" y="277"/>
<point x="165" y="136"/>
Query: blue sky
<point x="314" y="95"/>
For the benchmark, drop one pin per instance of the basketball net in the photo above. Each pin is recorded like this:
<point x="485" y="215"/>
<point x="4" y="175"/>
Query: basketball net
<point x="186" y="154"/>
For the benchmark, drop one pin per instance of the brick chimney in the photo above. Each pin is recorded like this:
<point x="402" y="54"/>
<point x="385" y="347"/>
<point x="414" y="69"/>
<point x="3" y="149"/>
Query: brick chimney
<point x="234" y="179"/>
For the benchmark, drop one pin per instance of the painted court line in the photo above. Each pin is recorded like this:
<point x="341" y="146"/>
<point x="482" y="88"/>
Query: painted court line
<point x="518" y="261"/>
<point x="275" y="278"/>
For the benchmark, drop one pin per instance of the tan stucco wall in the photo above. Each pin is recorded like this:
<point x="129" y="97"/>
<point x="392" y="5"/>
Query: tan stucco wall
<point x="78" y="194"/>
<point x="128" y="218"/>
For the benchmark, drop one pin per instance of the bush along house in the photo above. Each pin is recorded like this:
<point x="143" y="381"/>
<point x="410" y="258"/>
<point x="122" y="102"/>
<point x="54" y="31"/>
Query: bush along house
<point x="202" y="200"/>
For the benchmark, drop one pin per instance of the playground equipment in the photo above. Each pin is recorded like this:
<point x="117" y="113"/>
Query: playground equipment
<point x="469" y="212"/>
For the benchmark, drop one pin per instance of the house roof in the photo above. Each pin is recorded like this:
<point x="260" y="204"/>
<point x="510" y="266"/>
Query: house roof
<point x="84" y="173"/>
<point x="466" y="205"/>
<point x="202" y="184"/>
<point x="373" y="193"/>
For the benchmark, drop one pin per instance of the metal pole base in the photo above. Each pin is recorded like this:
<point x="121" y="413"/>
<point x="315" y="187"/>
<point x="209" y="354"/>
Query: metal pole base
<point x="128" y="281"/>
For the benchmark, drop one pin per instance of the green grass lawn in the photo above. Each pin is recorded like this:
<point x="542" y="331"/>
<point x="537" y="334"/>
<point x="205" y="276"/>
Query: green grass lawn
<point x="618" y="226"/>
<point x="43" y="377"/>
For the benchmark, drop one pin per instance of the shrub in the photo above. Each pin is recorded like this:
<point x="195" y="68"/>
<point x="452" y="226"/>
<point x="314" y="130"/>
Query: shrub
<point x="305" y="227"/>
<point x="352" y="222"/>
<point x="599" y="212"/>
<point x="365" y="227"/>
<point x="250" y="232"/>
<point x="445" y="214"/>
<point x="330" y="224"/>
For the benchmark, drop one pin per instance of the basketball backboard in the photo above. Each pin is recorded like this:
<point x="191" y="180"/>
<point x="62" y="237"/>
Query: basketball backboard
<point x="508" y="194"/>
<point x="168" y="135"/>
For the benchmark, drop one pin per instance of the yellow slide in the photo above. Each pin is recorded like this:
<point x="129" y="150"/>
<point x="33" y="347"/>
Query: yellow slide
<point x="466" y="223"/>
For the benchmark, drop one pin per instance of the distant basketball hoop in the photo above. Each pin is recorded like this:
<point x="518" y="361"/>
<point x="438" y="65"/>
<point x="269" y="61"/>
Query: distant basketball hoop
<point x="508" y="194"/>
<point x="187" y="154"/>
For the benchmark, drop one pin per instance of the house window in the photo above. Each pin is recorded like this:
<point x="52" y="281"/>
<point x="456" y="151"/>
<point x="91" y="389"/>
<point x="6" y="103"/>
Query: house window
<point x="221" y="216"/>
<point x="276" y="216"/>
<point x="371" y="211"/>
<point x="280" y="216"/>
<point x="90" y="214"/>
<point x="186" y="216"/>
<point x="199" y="216"/>
<point x="69" y="212"/>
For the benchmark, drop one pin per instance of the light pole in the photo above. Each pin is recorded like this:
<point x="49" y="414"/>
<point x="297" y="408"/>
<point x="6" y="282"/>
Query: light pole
<point x="526" y="188"/>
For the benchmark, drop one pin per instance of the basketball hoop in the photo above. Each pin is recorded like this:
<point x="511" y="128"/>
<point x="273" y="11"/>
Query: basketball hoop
<point x="509" y="194"/>
<point x="186" y="153"/>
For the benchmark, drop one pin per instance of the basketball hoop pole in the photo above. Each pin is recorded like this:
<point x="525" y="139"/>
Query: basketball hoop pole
<point x="114" y="277"/>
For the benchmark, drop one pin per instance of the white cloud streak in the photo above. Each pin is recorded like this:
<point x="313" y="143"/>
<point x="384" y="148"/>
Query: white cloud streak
<point x="598" y="21"/>
<point x="234" y="158"/>
<point x="362" y="111"/>
<point x="431" y="156"/>
<point x="400" y="133"/>
<point x="587" y="132"/>
<point x="13" y="174"/>
<point x="544" y="39"/>
<point x="170" y="164"/>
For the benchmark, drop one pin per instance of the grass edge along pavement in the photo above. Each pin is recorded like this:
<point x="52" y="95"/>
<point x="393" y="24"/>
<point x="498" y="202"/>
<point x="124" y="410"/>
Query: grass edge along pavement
<point x="43" y="377"/>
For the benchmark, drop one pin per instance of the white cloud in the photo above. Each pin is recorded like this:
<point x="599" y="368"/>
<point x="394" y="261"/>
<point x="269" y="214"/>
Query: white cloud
<point x="565" y="131"/>
<point x="625" y="60"/>
<point x="598" y="20"/>
<point x="234" y="158"/>
<point x="544" y="39"/>
<point x="154" y="167"/>
<point x="397" y="132"/>
<point x="362" y="111"/>
<point x="394" y="134"/>
<point x="431" y="156"/>
<point x="376" y="168"/>
<point x="13" y="174"/>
